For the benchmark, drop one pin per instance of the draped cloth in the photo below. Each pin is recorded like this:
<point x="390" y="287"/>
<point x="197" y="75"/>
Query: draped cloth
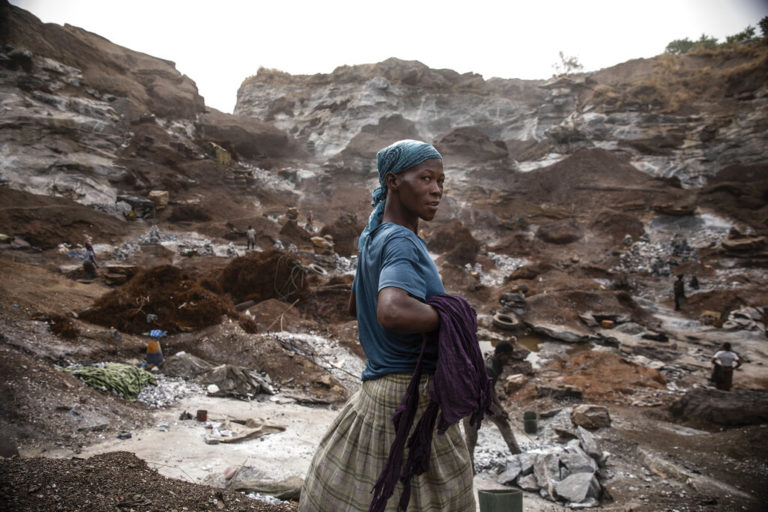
<point x="461" y="388"/>
<point x="395" y="158"/>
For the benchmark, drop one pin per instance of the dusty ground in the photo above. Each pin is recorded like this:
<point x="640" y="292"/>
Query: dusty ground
<point x="51" y="414"/>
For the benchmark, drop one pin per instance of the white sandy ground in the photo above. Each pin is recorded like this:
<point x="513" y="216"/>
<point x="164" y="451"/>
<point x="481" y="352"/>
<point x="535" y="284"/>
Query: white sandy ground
<point x="181" y="452"/>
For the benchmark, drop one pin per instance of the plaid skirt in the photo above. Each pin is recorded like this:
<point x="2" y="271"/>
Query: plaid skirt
<point x="352" y="453"/>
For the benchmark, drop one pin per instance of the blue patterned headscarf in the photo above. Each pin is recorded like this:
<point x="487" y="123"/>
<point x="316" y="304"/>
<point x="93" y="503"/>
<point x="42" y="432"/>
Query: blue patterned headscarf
<point x="398" y="157"/>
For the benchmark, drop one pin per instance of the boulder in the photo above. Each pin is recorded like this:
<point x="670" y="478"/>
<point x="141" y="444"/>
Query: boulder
<point x="546" y="468"/>
<point x="528" y="482"/>
<point x="514" y="383"/>
<point x="575" y="460"/>
<point x="159" y="198"/>
<point x="578" y="488"/>
<point x="588" y="443"/>
<point x="322" y="245"/>
<point x="591" y="416"/>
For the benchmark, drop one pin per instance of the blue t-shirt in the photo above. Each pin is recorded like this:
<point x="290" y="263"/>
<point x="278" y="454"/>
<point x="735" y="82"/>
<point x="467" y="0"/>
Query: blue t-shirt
<point x="394" y="256"/>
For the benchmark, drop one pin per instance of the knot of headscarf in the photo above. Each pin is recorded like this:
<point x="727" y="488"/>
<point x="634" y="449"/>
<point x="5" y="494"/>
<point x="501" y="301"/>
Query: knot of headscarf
<point x="396" y="158"/>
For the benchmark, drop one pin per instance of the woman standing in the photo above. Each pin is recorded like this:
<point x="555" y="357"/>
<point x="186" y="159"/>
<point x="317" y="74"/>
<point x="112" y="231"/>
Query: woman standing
<point x="724" y="361"/>
<point x="395" y="277"/>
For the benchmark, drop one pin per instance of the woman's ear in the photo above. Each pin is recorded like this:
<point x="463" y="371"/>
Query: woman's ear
<point x="391" y="181"/>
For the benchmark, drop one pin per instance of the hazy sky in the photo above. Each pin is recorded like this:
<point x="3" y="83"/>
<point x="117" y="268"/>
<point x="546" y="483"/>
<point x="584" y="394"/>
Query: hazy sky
<point x="219" y="44"/>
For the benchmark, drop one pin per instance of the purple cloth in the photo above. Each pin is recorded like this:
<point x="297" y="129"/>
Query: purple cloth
<point x="461" y="388"/>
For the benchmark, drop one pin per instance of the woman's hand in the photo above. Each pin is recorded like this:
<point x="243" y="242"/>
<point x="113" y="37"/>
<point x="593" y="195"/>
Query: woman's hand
<point x="400" y="312"/>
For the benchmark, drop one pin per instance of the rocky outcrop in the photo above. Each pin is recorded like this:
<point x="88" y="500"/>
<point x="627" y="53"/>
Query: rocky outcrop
<point x="249" y="138"/>
<point x="328" y="111"/>
<point x="140" y="82"/>
<point x="671" y="116"/>
<point x="91" y="121"/>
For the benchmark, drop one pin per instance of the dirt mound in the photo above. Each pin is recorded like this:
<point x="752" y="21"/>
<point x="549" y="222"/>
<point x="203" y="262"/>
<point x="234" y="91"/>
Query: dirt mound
<point x="456" y="241"/>
<point x="602" y="376"/>
<point x="569" y="306"/>
<point x="259" y="276"/>
<point x="560" y="233"/>
<point x="45" y="221"/>
<point x="292" y="232"/>
<point x="616" y="226"/>
<point x="344" y="231"/>
<point x="189" y="212"/>
<point x="724" y="301"/>
<point x="159" y="298"/>
<point x="328" y="304"/>
<point x="731" y="408"/>
<point x="91" y="484"/>
<point x="594" y="178"/>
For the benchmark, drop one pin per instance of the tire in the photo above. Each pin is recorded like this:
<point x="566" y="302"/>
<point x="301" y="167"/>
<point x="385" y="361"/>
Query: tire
<point x="317" y="269"/>
<point x="504" y="322"/>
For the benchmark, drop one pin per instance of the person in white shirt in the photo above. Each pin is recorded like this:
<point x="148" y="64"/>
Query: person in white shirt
<point x="725" y="362"/>
<point x="251" y="234"/>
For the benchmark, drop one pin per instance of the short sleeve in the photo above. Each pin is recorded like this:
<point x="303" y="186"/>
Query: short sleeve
<point x="400" y="267"/>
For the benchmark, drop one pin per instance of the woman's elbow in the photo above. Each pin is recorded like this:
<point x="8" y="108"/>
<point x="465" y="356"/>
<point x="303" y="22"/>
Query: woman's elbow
<point x="387" y="318"/>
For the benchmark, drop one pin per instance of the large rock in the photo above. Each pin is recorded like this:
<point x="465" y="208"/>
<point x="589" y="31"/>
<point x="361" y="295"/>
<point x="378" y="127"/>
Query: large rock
<point x="578" y="488"/>
<point x="729" y="408"/>
<point x="591" y="416"/>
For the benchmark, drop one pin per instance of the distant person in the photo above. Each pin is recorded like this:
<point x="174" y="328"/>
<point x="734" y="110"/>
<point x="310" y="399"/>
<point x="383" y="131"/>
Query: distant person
<point x="89" y="264"/>
<point x="251" y="234"/>
<point x="694" y="283"/>
<point x="494" y="366"/>
<point x="725" y="362"/>
<point x="679" y="289"/>
<point x="310" y="221"/>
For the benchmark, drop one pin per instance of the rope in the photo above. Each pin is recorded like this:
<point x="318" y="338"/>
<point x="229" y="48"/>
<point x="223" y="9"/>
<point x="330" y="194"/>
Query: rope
<point x="289" y="287"/>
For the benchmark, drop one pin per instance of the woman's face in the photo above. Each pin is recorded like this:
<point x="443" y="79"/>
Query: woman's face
<point x="420" y="188"/>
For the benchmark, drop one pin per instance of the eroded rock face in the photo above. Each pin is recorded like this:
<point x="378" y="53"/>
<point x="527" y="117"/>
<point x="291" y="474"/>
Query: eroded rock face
<point x="642" y="110"/>
<point x="329" y="110"/>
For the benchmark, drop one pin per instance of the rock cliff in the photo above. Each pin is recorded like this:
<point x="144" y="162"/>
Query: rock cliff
<point x="672" y="116"/>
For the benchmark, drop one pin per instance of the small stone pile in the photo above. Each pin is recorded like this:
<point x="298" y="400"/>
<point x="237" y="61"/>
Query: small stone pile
<point x="168" y="391"/>
<point x="567" y="474"/>
<point x="655" y="258"/>
<point x="746" y="319"/>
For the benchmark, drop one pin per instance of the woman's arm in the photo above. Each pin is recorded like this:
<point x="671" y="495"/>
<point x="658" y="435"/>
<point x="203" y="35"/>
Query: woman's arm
<point x="399" y="312"/>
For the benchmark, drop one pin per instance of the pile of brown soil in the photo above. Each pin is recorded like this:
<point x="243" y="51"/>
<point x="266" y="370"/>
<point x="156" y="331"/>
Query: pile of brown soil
<point x="259" y="276"/>
<point x="46" y="221"/>
<point x="328" y="304"/>
<point x="344" y="232"/>
<point x="603" y="376"/>
<point x="92" y="484"/>
<point x="456" y="241"/>
<point x="179" y="303"/>
<point x="724" y="301"/>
